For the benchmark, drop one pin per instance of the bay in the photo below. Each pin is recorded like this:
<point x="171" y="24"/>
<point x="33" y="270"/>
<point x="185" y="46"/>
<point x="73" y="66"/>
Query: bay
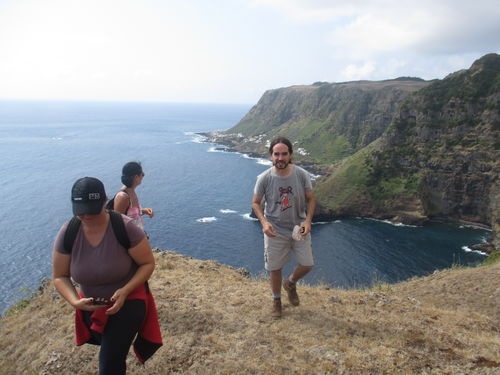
<point x="201" y="195"/>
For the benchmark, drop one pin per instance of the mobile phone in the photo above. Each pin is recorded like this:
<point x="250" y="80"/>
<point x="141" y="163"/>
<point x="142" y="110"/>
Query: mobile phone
<point x="101" y="301"/>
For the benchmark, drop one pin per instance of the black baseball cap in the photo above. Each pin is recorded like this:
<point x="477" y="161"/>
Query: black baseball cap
<point x="87" y="196"/>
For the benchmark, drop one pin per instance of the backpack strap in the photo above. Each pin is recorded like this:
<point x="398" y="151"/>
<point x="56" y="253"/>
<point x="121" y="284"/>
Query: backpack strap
<point x="116" y="223"/>
<point x="119" y="228"/>
<point x="70" y="234"/>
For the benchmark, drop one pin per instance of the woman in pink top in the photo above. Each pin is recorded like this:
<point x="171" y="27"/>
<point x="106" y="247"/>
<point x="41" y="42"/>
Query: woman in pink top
<point x="126" y="200"/>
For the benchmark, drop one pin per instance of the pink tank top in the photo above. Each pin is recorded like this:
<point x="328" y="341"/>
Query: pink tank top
<point x="135" y="214"/>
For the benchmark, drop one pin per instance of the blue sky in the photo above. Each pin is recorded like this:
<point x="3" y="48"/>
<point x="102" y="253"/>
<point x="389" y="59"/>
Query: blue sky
<point x="230" y="51"/>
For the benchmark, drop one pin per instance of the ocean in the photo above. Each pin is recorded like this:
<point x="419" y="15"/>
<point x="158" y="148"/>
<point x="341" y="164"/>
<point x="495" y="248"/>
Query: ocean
<point x="201" y="195"/>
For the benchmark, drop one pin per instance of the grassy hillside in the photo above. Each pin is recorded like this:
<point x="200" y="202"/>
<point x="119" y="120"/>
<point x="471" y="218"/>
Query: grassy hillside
<point x="359" y="187"/>
<point x="215" y="320"/>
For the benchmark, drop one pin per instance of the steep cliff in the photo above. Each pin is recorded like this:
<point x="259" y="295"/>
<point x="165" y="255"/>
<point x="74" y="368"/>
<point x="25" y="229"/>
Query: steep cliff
<point x="438" y="158"/>
<point x="329" y="121"/>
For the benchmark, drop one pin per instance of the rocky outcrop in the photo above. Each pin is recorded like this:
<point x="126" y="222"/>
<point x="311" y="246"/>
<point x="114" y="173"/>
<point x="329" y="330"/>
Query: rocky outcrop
<point x="448" y="133"/>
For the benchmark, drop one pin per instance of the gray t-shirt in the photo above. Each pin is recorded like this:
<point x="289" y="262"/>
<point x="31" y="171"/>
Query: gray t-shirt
<point x="284" y="198"/>
<point x="103" y="269"/>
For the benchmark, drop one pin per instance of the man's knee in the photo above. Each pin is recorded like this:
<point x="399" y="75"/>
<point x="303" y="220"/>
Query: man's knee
<point x="306" y="269"/>
<point x="275" y="273"/>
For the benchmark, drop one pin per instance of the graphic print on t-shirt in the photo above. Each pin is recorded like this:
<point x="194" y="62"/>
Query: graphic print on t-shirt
<point x="286" y="201"/>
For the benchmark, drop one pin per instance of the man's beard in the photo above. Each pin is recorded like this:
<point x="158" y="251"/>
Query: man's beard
<point x="280" y="164"/>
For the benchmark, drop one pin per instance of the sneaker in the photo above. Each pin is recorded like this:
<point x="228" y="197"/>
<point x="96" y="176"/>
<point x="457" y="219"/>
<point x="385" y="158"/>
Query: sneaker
<point x="291" y="289"/>
<point x="276" y="313"/>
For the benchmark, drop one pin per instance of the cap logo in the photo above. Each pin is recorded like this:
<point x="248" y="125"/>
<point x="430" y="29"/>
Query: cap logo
<point x="94" y="196"/>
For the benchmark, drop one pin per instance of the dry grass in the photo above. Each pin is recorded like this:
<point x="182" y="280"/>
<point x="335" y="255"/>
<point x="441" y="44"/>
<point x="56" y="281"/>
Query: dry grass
<point x="216" y="321"/>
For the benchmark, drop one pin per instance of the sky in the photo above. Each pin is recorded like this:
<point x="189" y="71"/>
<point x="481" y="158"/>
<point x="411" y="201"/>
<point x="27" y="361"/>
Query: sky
<point x="230" y="51"/>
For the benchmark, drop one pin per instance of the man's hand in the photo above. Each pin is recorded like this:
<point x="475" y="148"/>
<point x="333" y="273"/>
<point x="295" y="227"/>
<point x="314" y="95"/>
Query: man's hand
<point x="306" y="227"/>
<point x="268" y="229"/>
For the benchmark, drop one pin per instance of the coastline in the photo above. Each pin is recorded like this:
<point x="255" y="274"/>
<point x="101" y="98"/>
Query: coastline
<point x="228" y="144"/>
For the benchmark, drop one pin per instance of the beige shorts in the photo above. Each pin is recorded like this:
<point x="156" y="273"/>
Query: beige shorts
<point x="277" y="251"/>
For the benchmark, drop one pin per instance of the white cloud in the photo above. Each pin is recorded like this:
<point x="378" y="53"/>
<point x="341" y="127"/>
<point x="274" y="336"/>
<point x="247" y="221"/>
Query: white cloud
<point x="366" y="27"/>
<point x="368" y="35"/>
<point x="310" y="11"/>
<point x="399" y="37"/>
<point x="357" y="72"/>
<point x="68" y="47"/>
<point x="230" y="50"/>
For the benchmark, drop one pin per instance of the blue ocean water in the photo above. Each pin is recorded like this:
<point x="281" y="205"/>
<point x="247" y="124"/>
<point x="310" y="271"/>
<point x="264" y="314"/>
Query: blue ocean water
<point x="201" y="196"/>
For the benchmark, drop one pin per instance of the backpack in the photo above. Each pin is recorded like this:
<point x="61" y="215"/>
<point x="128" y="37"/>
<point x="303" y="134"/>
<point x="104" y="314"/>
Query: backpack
<point x="111" y="203"/>
<point x="116" y="222"/>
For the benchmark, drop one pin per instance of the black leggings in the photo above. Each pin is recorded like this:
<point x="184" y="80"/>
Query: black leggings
<point x="117" y="337"/>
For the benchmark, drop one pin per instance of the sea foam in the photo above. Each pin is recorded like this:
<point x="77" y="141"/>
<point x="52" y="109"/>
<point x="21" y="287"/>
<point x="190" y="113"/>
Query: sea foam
<point x="248" y="217"/>
<point x="207" y="219"/>
<point x="467" y="249"/>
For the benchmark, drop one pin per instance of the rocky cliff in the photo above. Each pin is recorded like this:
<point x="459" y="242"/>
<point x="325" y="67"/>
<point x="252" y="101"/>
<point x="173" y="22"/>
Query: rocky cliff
<point x="438" y="159"/>
<point x="329" y="121"/>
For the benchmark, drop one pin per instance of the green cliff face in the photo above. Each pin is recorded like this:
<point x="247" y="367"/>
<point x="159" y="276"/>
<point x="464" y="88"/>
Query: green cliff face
<point x="438" y="158"/>
<point x="327" y="121"/>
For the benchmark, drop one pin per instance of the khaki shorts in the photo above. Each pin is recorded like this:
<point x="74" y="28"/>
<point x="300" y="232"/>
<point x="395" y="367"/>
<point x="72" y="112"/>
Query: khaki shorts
<point x="277" y="251"/>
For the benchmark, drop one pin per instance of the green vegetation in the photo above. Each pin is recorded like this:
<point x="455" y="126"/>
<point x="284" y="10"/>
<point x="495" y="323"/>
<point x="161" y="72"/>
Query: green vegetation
<point x="371" y="178"/>
<point x="20" y="305"/>
<point x="23" y="302"/>
<point x="466" y="85"/>
<point x="390" y="188"/>
<point x="417" y="79"/>
<point x="492" y="259"/>
<point x="328" y="148"/>
<point x="347" y="186"/>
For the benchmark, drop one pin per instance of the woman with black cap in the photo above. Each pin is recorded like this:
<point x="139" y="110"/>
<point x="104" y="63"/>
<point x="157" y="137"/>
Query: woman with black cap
<point x="126" y="200"/>
<point x="114" y="304"/>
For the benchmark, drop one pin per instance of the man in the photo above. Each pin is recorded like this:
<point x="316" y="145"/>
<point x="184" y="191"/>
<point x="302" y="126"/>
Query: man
<point x="287" y="191"/>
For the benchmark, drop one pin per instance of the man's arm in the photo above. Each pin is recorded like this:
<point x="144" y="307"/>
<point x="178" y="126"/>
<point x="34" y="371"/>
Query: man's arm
<point x="267" y="227"/>
<point x="311" y="207"/>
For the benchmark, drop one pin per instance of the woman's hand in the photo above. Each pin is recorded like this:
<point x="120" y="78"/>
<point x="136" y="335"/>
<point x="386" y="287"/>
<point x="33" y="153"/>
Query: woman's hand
<point x="143" y="257"/>
<point x="86" y="304"/>
<point x="148" y="211"/>
<point x="118" y="299"/>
